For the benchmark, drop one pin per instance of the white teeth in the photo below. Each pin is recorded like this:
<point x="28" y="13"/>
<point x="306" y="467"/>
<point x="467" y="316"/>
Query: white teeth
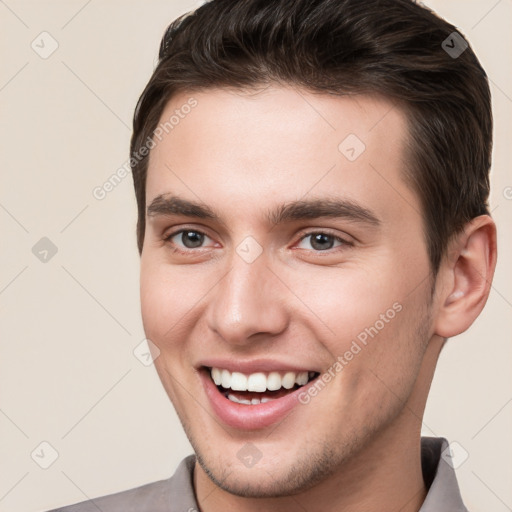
<point x="238" y="381"/>
<point x="254" y="401"/>
<point x="288" y="380"/>
<point x="273" y="381"/>
<point x="302" y="378"/>
<point x="233" y="398"/>
<point x="258" y="382"/>
<point x="217" y="376"/>
<point x="226" y="379"/>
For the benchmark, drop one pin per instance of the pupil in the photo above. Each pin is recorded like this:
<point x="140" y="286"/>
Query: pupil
<point x="197" y="239"/>
<point x="320" y="238"/>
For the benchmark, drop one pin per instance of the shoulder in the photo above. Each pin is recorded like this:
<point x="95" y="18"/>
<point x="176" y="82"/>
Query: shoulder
<point x="153" y="497"/>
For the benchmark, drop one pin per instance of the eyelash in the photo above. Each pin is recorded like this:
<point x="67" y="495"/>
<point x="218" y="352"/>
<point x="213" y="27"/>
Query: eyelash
<point x="344" y="243"/>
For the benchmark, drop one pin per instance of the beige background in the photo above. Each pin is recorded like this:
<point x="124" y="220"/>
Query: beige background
<point x="68" y="374"/>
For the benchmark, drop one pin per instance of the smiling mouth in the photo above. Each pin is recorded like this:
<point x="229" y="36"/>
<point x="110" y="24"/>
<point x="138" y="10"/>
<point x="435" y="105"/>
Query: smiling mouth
<point x="260" y="387"/>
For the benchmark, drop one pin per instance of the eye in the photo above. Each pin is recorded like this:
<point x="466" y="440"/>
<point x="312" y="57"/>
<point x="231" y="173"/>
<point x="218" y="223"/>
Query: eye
<point x="186" y="240"/>
<point x="189" y="238"/>
<point x="322" y="241"/>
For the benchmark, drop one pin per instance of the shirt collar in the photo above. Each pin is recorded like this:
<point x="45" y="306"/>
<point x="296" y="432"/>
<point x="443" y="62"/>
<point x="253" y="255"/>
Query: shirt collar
<point x="443" y="494"/>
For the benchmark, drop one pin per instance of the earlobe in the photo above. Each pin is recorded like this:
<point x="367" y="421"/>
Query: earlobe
<point x="468" y="274"/>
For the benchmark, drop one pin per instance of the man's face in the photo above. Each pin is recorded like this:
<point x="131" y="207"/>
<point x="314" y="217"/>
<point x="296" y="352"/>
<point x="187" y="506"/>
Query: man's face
<point x="278" y="293"/>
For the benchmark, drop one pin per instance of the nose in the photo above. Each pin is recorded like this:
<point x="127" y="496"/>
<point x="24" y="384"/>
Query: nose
<point x="248" y="302"/>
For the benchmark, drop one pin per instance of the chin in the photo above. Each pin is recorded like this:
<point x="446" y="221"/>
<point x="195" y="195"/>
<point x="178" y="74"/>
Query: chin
<point x="276" y="478"/>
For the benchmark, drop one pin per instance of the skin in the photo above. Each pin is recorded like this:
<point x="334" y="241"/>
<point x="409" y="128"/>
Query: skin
<point x="356" y="445"/>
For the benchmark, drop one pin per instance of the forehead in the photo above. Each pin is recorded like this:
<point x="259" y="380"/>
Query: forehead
<point x="237" y="149"/>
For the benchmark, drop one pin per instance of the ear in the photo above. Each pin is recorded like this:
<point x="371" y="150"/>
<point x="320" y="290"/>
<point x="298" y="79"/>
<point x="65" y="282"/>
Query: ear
<point x="465" y="276"/>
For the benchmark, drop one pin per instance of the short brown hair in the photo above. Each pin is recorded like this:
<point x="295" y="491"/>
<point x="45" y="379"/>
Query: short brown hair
<point x="395" y="48"/>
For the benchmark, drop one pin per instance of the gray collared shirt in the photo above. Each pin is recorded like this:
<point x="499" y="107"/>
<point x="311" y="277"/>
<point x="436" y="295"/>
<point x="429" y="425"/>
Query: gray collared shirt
<point x="176" y="494"/>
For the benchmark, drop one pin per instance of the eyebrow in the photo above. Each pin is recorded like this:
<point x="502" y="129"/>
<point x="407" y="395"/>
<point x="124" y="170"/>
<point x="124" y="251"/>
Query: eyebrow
<point x="167" y="205"/>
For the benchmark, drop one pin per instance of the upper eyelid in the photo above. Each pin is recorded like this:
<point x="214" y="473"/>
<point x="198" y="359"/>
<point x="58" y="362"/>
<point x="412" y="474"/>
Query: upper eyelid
<point x="182" y="230"/>
<point x="325" y="231"/>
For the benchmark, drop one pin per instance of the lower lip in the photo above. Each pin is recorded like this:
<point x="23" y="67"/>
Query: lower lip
<point x="249" y="417"/>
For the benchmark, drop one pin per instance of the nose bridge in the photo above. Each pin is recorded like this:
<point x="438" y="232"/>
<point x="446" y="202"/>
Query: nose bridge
<point x="247" y="301"/>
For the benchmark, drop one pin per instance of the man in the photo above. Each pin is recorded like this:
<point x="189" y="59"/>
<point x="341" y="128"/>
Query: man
<point x="312" y="185"/>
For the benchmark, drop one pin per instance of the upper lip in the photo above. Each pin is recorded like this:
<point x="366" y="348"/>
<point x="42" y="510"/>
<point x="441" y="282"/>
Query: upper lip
<point x="254" y="365"/>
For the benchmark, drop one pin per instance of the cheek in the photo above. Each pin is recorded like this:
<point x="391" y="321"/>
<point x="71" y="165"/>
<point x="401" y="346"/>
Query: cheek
<point x="350" y="301"/>
<point x="377" y="320"/>
<point x="166" y="299"/>
<point x="395" y="345"/>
